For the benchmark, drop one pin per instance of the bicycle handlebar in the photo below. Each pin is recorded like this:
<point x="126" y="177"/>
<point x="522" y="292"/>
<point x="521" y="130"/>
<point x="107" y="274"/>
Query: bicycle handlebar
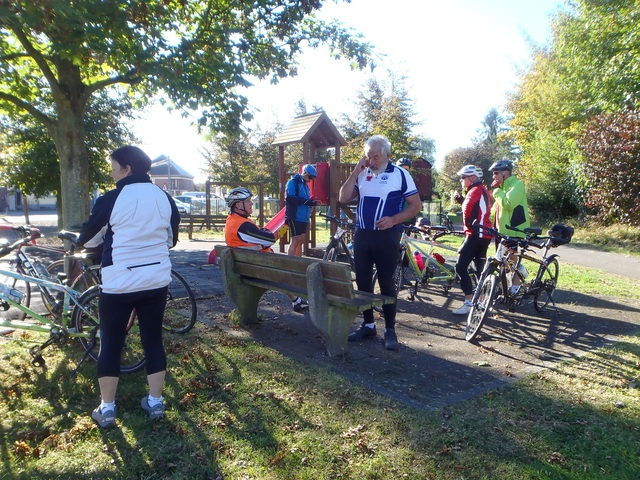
<point x="440" y="231"/>
<point x="29" y="234"/>
<point x="337" y="220"/>
<point x="531" y="234"/>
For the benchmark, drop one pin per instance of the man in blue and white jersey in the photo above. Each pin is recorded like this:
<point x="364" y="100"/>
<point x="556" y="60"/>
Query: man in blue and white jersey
<point x="381" y="189"/>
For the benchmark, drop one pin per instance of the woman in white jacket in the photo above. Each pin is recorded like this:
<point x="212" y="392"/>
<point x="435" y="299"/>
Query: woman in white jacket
<point x="138" y="223"/>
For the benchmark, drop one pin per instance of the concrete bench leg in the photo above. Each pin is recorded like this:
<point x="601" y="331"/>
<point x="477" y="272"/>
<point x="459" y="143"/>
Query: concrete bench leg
<point x="333" y="322"/>
<point x="245" y="297"/>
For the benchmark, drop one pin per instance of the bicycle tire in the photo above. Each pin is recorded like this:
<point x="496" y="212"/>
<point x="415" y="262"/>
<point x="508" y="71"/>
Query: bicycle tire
<point x="482" y="305"/>
<point x="84" y="317"/>
<point x="87" y="279"/>
<point x="330" y="253"/>
<point x="546" y="282"/>
<point x="181" y="310"/>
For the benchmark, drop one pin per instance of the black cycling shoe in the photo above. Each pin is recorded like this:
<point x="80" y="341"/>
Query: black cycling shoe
<point x="390" y="339"/>
<point x="362" y="332"/>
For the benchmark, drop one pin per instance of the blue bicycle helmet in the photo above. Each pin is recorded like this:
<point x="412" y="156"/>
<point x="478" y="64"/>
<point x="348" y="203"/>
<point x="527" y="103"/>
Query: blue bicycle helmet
<point x="310" y="170"/>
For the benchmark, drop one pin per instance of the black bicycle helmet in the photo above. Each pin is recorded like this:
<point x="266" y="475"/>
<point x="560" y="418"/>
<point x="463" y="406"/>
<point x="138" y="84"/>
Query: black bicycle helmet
<point x="403" y="162"/>
<point x="501" y="165"/>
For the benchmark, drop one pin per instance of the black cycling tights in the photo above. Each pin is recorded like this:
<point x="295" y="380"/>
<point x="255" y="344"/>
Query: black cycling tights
<point x="115" y="311"/>
<point x="379" y="247"/>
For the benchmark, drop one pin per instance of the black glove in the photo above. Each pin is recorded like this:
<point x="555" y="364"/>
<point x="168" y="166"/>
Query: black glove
<point x="311" y="202"/>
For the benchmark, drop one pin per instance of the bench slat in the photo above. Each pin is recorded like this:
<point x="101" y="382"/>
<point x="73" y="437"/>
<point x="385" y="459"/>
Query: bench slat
<point x="330" y="270"/>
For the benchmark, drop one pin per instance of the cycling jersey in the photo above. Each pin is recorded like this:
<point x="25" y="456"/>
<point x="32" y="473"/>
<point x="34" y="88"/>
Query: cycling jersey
<point x="382" y="195"/>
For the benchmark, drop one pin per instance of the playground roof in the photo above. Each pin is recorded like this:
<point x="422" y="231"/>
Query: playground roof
<point x="314" y="128"/>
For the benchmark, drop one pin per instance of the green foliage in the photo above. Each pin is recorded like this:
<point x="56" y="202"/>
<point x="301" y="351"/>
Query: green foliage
<point x="30" y="150"/>
<point x="248" y="156"/>
<point x="548" y="173"/>
<point x="611" y="146"/>
<point x="382" y="109"/>
<point x="590" y="68"/>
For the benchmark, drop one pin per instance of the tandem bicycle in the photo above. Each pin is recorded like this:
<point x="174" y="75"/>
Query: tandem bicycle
<point x="421" y="262"/>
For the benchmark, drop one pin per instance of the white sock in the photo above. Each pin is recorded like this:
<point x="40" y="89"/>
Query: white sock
<point x="107" y="406"/>
<point x="297" y="300"/>
<point x="370" y="325"/>
<point x="153" y="401"/>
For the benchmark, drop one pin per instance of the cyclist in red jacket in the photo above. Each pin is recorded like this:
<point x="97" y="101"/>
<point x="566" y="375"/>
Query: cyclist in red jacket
<point x="476" y="209"/>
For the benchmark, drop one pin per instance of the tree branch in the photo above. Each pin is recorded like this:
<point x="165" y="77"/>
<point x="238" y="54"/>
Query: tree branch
<point x="18" y="102"/>
<point x="37" y="57"/>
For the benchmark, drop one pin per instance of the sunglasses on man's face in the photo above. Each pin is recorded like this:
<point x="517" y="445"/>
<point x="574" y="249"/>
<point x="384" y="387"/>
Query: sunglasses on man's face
<point x="496" y="173"/>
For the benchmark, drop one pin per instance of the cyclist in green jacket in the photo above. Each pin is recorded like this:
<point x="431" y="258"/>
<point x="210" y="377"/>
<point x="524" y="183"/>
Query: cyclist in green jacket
<point x="510" y="205"/>
<point x="510" y="199"/>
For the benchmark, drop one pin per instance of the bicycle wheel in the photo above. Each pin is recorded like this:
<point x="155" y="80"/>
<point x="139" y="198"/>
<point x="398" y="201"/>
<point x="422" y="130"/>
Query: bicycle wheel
<point x="331" y="253"/>
<point x="85" y="319"/>
<point x="90" y="277"/>
<point x="181" y="311"/>
<point x="546" y="281"/>
<point x="482" y="305"/>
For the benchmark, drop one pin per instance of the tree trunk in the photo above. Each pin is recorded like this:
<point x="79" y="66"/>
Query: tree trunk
<point x="25" y="209"/>
<point x="74" y="168"/>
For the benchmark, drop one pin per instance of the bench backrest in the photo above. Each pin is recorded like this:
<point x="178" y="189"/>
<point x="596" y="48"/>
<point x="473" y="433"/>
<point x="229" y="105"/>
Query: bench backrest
<point x="289" y="270"/>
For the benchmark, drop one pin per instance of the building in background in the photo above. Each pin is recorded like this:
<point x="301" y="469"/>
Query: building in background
<point x="170" y="176"/>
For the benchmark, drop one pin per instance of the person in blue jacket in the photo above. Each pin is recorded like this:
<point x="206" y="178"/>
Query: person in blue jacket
<point x="298" y="205"/>
<point x="137" y="224"/>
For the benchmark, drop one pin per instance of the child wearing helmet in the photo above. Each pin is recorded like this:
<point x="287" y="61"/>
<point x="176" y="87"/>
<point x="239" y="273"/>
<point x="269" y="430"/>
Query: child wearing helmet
<point x="404" y="163"/>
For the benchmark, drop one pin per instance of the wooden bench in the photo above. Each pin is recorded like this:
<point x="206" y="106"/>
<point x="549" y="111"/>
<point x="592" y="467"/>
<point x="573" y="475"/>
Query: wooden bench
<point x="214" y="222"/>
<point x="333" y="302"/>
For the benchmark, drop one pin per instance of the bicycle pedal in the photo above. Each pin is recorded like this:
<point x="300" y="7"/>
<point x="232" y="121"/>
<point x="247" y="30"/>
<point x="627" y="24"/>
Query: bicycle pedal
<point x="38" y="361"/>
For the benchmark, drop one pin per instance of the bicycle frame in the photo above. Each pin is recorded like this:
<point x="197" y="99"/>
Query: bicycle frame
<point x="433" y="270"/>
<point x="44" y="324"/>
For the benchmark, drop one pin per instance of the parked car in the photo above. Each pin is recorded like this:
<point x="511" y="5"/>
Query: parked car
<point x="183" y="207"/>
<point x="197" y="200"/>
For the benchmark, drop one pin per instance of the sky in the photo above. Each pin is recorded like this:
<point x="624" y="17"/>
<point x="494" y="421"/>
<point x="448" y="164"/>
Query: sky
<point x="460" y="58"/>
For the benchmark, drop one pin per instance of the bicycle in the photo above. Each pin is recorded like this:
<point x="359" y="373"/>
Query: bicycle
<point x="181" y="310"/>
<point x="419" y="263"/>
<point x="496" y="279"/>
<point x="445" y="220"/>
<point x="27" y="266"/>
<point x="341" y="242"/>
<point x="78" y="319"/>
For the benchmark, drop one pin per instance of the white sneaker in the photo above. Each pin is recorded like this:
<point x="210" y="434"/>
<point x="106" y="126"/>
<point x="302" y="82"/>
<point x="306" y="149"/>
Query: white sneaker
<point x="463" y="310"/>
